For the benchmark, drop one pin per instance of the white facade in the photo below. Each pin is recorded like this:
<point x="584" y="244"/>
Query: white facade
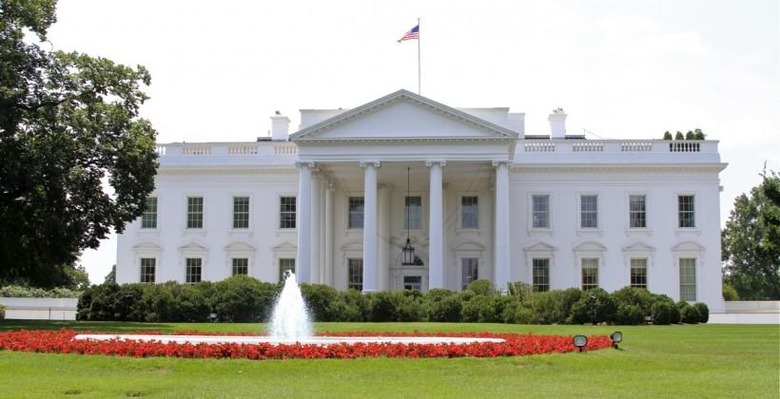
<point x="485" y="201"/>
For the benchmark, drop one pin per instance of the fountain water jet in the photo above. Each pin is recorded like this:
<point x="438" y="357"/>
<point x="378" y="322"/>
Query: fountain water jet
<point x="290" y="319"/>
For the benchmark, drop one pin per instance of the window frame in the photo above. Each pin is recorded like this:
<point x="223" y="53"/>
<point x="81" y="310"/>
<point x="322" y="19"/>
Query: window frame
<point x="690" y="215"/>
<point x="195" y="218"/>
<point x="462" y="212"/>
<point x="234" y="267"/>
<point x="582" y="212"/>
<point x="149" y="216"/>
<point x="353" y="199"/>
<point x="151" y="277"/>
<point x="544" y="280"/>
<point x="191" y="269"/>
<point x="421" y="220"/>
<point x="355" y="273"/>
<point x="687" y="287"/>
<point x="284" y="264"/>
<point x="641" y="215"/>
<point x="584" y="286"/>
<point x="534" y="212"/>
<point x="288" y="219"/>
<point x="246" y="215"/>
<point x="634" y="265"/>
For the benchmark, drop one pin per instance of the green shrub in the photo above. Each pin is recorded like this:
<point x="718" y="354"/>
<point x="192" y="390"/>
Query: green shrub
<point x="703" y="310"/>
<point x="524" y="315"/>
<point x="2" y="312"/>
<point x="729" y="292"/>
<point x="242" y="299"/>
<point x="97" y="303"/>
<point x="320" y="299"/>
<point x="18" y="291"/>
<point x="352" y="306"/>
<point x="443" y="305"/>
<point x="481" y="287"/>
<point x="481" y="309"/>
<point x="506" y="308"/>
<point x="667" y="135"/>
<point x="520" y="290"/>
<point x="629" y="314"/>
<point x="688" y="313"/>
<point x="595" y="306"/>
<point x="663" y="310"/>
<point x="639" y="297"/>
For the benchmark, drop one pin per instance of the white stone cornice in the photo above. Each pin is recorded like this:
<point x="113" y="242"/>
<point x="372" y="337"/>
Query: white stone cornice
<point x="504" y="162"/>
<point x="307" y="164"/>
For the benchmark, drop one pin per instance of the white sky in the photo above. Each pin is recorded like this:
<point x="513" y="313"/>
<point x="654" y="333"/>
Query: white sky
<point x="620" y="68"/>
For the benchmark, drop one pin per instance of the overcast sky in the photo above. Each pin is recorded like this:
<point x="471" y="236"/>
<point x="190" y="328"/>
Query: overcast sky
<point x="620" y="69"/>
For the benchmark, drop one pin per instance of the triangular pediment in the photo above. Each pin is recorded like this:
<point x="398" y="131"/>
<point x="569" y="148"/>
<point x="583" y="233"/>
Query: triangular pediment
<point x="403" y="116"/>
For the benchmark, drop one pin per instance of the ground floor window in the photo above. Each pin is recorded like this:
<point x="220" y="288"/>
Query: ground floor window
<point x="469" y="271"/>
<point x="148" y="266"/>
<point x="286" y="265"/>
<point x="240" y="266"/>
<point x="194" y="270"/>
<point x="590" y="273"/>
<point x="413" y="283"/>
<point x="541" y="274"/>
<point x="687" y="279"/>
<point x="355" y="274"/>
<point x="639" y="272"/>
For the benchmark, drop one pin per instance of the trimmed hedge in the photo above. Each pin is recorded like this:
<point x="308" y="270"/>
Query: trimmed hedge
<point x="245" y="299"/>
<point x="2" y="312"/>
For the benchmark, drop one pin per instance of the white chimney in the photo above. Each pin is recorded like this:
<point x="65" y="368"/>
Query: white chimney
<point x="280" y="127"/>
<point x="557" y="124"/>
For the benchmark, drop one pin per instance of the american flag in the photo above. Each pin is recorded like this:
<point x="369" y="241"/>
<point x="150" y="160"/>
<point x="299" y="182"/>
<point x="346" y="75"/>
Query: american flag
<point x="412" y="34"/>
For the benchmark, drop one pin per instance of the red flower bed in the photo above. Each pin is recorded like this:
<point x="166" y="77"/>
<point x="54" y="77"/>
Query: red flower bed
<point x="62" y="341"/>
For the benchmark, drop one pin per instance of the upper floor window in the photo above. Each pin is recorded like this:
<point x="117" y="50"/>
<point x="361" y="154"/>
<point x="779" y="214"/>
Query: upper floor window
<point x="637" y="211"/>
<point x="589" y="211"/>
<point x="287" y="212"/>
<point x="469" y="212"/>
<point x="540" y="211"/>
<point x="194" y="212"/>
<point x="413" y="213"/>
<point x="240" y="212"/>
<point x="686" y="212"/>
<point x="355" y="213"/>
<point x="149" y="217"/>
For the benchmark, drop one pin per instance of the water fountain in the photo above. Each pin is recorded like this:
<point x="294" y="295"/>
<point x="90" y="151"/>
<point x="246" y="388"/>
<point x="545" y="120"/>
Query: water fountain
<point x="290" y="323"/>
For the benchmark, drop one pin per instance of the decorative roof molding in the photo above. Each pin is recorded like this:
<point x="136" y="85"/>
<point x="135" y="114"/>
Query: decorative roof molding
<point x="310" y="133"/>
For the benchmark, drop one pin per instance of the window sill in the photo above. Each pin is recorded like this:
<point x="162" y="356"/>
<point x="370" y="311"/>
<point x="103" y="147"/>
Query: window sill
<point x="240" y="232"/>
<point x="537" y="232"/>
<point x="589" y="232"/>
<point x="683" y="231"/>
<point x="633" y="231"/>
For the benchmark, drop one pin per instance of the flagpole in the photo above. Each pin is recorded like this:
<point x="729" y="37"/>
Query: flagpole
<point x="419" y="68"/>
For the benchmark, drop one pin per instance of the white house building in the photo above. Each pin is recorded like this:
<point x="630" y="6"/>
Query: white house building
<point x="475" y="196"/>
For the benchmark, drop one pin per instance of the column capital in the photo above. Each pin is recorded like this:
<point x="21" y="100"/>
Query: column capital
<point x="441" y="163"/>
<point x="305" y="164"/>
<point x="503" y="162"/>
<point x="365" y="164"/>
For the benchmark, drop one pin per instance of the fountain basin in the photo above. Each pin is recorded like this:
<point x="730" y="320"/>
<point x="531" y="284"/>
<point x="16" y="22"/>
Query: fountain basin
<point x="253" y="340"/>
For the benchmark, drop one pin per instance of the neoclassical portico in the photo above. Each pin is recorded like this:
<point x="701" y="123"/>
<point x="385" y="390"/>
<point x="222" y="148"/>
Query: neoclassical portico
<point x="361" y="152"/>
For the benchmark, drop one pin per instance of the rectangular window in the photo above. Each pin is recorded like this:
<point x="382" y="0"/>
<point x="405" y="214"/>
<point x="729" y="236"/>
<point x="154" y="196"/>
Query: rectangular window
<point x="356" y="212"/>
<point x="413" y="213"/>
<point x="413" y="283"/>
<point x="149" y="217"/>
<point x="639" y="273"/>
<point x="240" y="266"/>
<point x="194" y="212"/>
<point x="286" y="265"/>
<point x="240" y="212"/>
<point x="590" y="273"/>
<point x="469" y="271"/>
<point x="687" y="279"/>
<point x="194" y="269"/>
<point x="469" y="212"/>
<point x="540" y="209"/>
<point x="686" y="214"/>
<point x="541" y="275"/>
<point x="637" y="212"/>
<point x="589" y="212"/>
<point x="287" y="212"/>
<point x="355" y="274"/>
<point x="148" y="266"/>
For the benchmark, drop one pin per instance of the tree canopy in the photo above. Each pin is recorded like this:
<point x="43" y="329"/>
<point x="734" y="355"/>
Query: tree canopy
<point x="68" y="123"/>
<point x="751" y="242"/>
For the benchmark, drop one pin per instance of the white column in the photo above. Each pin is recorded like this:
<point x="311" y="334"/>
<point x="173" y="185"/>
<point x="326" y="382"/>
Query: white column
<point x="316" y="225"/>
<point x="328" y="262"/>
<point x="501" y="237"/>
<point x="303" y="222"/>
<point x="436" y="226"/>
<point x="383" y="249"/>
<point x="370" y="226"/>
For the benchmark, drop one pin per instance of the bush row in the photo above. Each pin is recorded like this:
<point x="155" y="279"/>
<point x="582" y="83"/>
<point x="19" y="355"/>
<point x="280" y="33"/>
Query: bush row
<point x="2" y="312"/>
<point x="18" y="291"/>
<point x="245" y="299"/>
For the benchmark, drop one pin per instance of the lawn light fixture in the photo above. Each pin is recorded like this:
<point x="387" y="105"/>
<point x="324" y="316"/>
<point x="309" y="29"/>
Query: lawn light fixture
<point x="579" y="341"/>
<point x="616" y="337"/>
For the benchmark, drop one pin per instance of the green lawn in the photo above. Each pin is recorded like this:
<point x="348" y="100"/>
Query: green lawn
<point x="698" y="361"/>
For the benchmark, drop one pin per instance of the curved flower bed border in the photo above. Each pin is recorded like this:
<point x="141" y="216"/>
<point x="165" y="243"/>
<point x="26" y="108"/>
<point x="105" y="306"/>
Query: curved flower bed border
<point x="62" y="341"/>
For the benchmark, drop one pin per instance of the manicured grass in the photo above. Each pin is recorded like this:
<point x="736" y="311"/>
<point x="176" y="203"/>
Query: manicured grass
<point x="707" y="361"/>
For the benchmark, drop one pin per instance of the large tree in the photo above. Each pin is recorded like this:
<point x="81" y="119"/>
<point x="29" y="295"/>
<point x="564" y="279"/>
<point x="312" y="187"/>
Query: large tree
<point x="751" y="242"/>
<point x="68" y="122"/>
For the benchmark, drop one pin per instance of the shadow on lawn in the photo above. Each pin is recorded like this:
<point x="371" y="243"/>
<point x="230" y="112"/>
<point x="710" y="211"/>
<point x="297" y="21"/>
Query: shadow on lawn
<point x="6" y="325"/>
